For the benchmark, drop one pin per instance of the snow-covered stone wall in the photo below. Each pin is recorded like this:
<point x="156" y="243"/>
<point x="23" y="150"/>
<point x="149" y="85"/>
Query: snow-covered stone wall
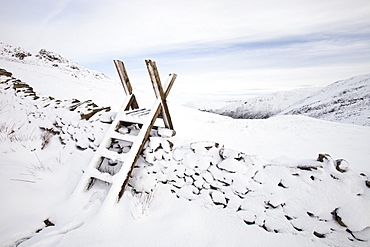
<point x="321" y="197"/>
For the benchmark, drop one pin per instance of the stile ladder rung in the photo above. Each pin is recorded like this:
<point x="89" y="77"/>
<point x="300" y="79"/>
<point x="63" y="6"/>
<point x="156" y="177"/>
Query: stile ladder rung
<point x="129" y="118"/>
<point x="103" y="176"/>
<point x="134" y="112"/>
<point x="114" y="156"/>
<point x="123" y="137"/>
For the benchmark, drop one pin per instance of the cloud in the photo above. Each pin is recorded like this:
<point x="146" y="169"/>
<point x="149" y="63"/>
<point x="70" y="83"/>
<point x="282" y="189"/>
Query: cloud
<point x="139" y="27"/>
<point x="209" y="43"/>
<point x="56" y="10"/>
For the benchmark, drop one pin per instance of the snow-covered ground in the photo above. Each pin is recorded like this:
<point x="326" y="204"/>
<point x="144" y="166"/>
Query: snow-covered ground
<point x="224" y="182"/>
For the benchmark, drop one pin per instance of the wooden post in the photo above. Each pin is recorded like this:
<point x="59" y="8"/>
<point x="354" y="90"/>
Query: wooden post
<point x="158" y="89"/>
<point x="169" y="86"/>
<point x="125" y="82"/>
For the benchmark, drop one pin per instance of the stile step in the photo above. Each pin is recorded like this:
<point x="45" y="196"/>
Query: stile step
<point x="103" y="176"/>
<point x="124" y="137"/>
<point x="121" y="116"/>
<point x="114" y="156"/>
<point x="137" y="112"/>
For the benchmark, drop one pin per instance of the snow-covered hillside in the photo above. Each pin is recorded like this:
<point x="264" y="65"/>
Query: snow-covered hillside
<point x="52" y="75"/>
<point x="346" y="101"/>
<point x="48" y="59"/>
<point x="282" y="181"/>
<point x="259" y="107"/>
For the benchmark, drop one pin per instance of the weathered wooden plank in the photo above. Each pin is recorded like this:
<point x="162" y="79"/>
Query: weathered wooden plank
<point x="157" y="86"/>
<point x="120" y="66"/>
<point x="169" y="86"/>
<point x="132" y="103"/>
<point x="123" y="76"/>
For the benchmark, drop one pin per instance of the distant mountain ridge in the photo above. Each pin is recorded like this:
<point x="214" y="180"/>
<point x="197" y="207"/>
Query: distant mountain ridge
<point x="47" y="59"/>
<point x="260" y="107"/>
<point x="346" y="101"/>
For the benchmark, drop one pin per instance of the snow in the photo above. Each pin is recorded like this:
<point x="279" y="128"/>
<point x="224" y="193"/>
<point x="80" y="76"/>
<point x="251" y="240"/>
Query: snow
<point x="62" y="78"/>
<point x="295" y="137"/>
<point x="262" y="106"/>
<point x="218" y="182"/>
<point x="344" y="101"/>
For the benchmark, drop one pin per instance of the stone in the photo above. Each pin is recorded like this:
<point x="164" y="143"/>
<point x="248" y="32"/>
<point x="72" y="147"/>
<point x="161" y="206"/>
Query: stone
<point x="341" y="165"/>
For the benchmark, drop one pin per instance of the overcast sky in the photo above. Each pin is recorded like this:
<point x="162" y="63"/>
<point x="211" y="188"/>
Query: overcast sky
<point x="220" y="49"/>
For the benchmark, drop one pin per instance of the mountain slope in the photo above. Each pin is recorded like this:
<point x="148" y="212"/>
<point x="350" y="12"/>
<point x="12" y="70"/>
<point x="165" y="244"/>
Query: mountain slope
<point x="52" y="75"/>
<point x="48" y="59"/>
<point x="259" y="107"/>
<point x="346" y="101"/>
<point x="263" y="106"/>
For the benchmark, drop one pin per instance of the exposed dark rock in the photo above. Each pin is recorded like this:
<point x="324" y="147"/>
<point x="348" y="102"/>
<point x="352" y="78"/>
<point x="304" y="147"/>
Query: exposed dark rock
<point x="280" y="184"/>
<point x="50" y="56"/>
<point x="297" y="228"/>
<point x="341" y="165"/>
<point x="288" y="217"/>
<point x="87" y="116"/>
<point x="323" y="157"/>
<point x="337" y="218"/>
<point x="270" y="205"/>
<point x="5" y="73"/>
<point x="48" y="223"/>
<point x="21" y="54"/>
<point x="307" y="168"/>
<point x="249" y="222"/>
<point x="319" y="235"/>
<point x="352" y="234"/>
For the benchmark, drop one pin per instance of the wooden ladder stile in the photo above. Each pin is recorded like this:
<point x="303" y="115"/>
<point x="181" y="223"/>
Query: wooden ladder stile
<point x="92" y="168"/>
<point x="130" y="113"/>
